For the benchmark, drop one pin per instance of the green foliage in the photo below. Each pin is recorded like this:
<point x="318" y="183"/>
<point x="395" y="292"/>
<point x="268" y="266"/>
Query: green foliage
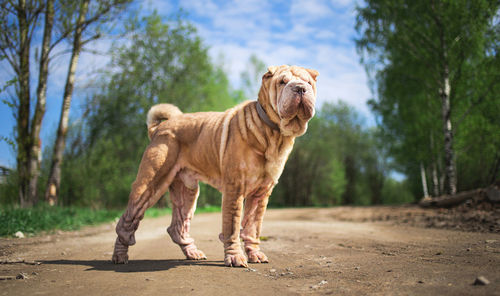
<point x="9" y="190"/>
<point x="336" y="162"/>
<point x="251" y="77"/>
<point x="408" y="47"/>
<point x="164" y="63"/>
<point x="208" y="209"/>
<point x="5" y="86"/>
<point x="209" y="196"/>
<point x="155" y="212"/>
<point x="395" y="192"/>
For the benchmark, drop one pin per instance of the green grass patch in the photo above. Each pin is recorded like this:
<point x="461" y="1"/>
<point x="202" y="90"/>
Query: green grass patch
<point x="158" y="212"/>
<point x="208" y="209"/>
<point x="46" y="218"/>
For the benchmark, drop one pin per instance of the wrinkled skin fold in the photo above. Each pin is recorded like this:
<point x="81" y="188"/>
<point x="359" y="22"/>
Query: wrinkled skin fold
<point x="234" y="151"/>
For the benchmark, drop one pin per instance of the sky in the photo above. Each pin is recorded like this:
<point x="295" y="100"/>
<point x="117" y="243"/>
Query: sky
<point x="317" y="34"/>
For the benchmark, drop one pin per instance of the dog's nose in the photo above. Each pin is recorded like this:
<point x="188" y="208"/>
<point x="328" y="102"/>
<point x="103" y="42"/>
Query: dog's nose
<point x="299" y="89"/>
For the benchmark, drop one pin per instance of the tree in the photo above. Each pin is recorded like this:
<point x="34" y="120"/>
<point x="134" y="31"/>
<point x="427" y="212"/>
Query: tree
<point x="20" y="26"/>
<point x="425" y="55"/>
<point x="88" y="14"/>
<point x="338" y="161"/>
<point x="251" y="78"/>
<point x="41" y="94"/>
<point x="164" y="62"/>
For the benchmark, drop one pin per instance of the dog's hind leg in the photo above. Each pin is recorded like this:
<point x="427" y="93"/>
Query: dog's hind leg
<point x="154" y="176"/>
<point x="184" y="192"/>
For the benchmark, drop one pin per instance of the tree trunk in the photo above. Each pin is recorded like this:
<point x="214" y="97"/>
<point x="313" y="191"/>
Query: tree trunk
<point x="424" y="180"/>
<point x="435" y="178"/>
<point x="442" y="176"/>
<point x="36" y="149"/>
<point x="444" y="93"/>
<point x="23" y="116"/>
<point x="449" y="158"/>
<point x="449" y="200"/>
<point x="350" y="173"/>
<point x="54" y="181"/>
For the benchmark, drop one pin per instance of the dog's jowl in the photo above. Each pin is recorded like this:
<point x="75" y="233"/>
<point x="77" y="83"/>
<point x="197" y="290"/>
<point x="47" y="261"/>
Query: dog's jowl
<point x="241" y="152"/>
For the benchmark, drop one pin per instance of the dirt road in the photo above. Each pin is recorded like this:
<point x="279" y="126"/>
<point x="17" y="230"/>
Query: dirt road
<point x="310" y="252"/>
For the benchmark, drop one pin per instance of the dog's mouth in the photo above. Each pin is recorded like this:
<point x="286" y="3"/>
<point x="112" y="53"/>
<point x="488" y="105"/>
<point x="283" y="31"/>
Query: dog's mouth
<point x="306" y="110"/>
<point x="302" y="109"/>
<point x="294" y="125"/>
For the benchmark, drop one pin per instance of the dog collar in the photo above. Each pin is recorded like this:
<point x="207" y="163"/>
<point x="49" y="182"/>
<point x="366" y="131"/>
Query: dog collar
<point x="263" y="115"/>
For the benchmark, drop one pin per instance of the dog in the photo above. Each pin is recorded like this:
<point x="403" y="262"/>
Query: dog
<point x="241" y="152"/>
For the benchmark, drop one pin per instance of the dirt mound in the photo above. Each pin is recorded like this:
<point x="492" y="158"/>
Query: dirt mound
<point x="475" y="210"/>
<point x="466" y="217"/>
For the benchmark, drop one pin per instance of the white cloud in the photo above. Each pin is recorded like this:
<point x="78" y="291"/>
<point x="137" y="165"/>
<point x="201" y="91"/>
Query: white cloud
<point x="342" y="3"/>
<point x="316" y="34"/>
<point x="310" y="9"/>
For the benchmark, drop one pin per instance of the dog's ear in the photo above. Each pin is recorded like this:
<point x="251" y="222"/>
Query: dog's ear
<point x="270" y="72"/>
<point x="272" y="69"/>
<point x="314" y="74"/>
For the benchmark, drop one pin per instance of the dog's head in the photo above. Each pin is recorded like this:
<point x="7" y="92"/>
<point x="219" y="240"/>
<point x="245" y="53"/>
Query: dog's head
<point x="288" y="95"/>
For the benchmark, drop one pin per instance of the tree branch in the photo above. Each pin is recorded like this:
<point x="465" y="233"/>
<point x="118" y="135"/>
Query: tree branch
<point x="95" y="37"/>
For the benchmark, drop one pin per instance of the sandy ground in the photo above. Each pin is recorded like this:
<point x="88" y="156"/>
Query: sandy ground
<point x="311" y="251"/>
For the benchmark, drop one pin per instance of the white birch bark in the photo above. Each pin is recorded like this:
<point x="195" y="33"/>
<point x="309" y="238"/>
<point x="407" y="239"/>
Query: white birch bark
<point x="54" y="181"/>
<point x="36" y="149"/>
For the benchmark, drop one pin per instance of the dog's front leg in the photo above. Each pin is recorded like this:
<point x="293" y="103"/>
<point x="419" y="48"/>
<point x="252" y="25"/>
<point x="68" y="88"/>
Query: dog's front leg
<point x="231" y="217"/>
<point x="255" y="207"/>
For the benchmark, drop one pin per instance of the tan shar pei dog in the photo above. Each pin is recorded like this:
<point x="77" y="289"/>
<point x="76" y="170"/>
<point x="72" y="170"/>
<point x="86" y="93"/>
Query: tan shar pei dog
<point x="241" y="152"/>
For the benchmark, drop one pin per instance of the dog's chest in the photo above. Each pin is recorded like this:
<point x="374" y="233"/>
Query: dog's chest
<point x="276" y="156"/>
<point x="258" y="176"/>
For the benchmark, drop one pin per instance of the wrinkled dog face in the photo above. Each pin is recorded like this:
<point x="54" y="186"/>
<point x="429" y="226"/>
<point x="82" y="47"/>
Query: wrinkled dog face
<point x="292" y="93"/>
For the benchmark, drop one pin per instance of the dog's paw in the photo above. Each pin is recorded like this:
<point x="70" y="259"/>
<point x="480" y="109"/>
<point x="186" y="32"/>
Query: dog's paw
<point x="120" y="258"/>
<point x="257" y="256"/>
<point x="194" y="254"/>
<point x="236" y="260"/>
<point x="120" y="253"/>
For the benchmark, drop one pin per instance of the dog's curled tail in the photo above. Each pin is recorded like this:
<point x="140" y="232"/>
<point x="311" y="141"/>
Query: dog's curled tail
<point x="159" y="113"/>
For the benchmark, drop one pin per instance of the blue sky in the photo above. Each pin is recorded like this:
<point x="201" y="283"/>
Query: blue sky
<point x="317" y="34"/>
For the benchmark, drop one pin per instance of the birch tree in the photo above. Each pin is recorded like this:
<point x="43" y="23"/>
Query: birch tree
<point x="90" y="17"/>
<point x="423" y="55"/>
<point x="35" y="28"/>
<point x="41" y="93"/>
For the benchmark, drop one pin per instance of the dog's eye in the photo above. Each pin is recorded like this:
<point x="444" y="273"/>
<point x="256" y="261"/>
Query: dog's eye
<point x="282" y="82"/>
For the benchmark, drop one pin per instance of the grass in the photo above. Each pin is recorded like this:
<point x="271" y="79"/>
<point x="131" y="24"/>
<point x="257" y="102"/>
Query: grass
<point x="158" y="212"/>
<point x="46" y="218"/>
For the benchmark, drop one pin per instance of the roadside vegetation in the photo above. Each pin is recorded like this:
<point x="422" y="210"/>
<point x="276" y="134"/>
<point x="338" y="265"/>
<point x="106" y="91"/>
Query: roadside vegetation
<point x="436" y="85"/>
<point x="43" y="217"/>
<point x="46" y="218"/>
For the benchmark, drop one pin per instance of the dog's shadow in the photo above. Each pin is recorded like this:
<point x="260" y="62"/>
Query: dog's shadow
<point x="134" y="265"/>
